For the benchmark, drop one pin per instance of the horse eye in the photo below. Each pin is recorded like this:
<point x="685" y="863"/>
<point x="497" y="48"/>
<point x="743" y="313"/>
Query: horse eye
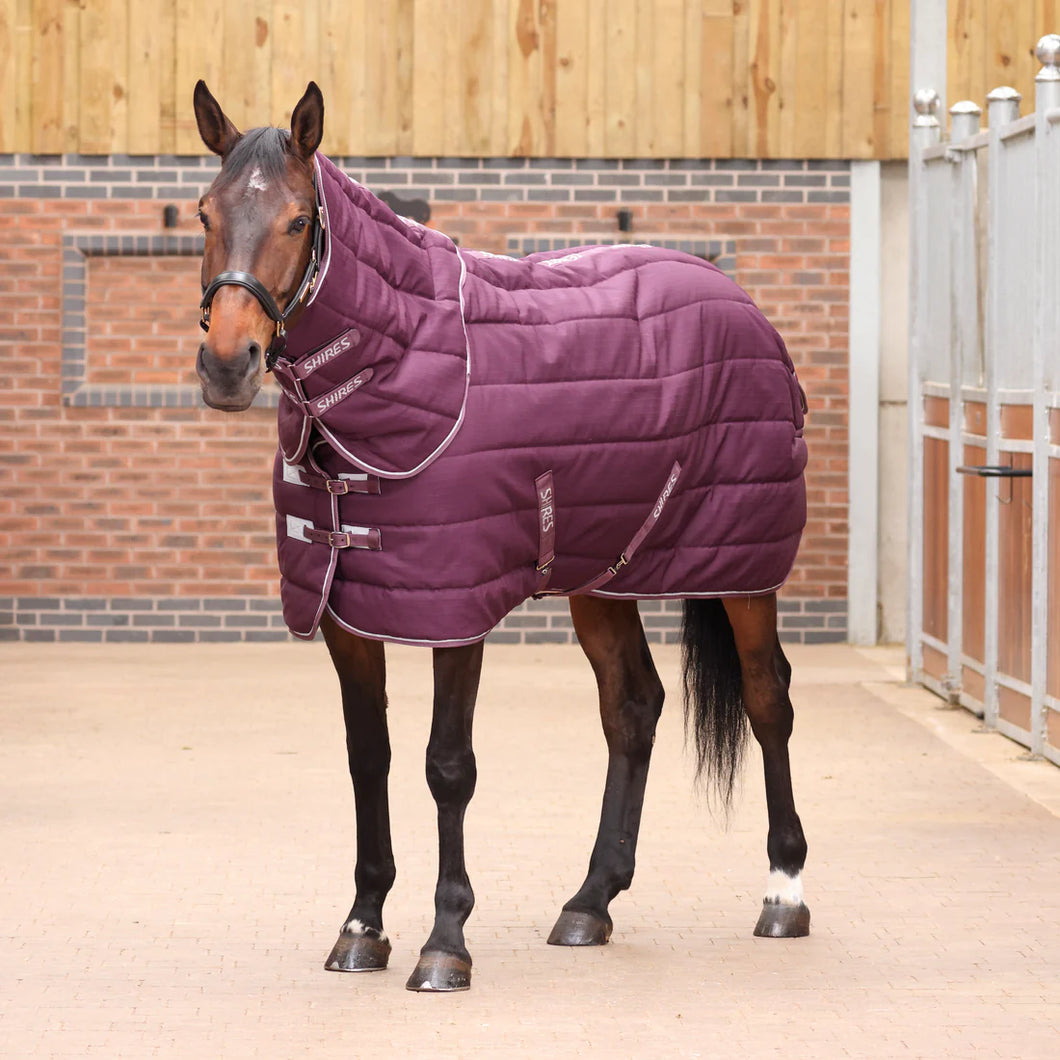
<point x="204" y="220"/>
<point x="298" y="225"/>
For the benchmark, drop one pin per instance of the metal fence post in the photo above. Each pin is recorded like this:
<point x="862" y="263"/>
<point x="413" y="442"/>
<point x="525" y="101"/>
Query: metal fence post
<point x="1047" y="214"/>
<point x="1003" y="107"/>
<point x="864" y="418"/>
<point x="964" y="336"/>
<point x="925" y="133"/>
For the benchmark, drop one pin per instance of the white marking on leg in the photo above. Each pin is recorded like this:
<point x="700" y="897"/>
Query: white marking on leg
<point x="257" y="181"/>
<point x="356" y="927"/>
<point x="783" y="889"/>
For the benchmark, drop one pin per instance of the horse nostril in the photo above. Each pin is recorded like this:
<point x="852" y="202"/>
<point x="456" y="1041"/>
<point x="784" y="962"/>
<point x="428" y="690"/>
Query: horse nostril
<point x="254" y="357"/>
<point x="200" y="360"/>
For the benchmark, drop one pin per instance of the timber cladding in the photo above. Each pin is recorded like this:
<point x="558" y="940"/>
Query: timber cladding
<point x="130" y="512"/>
<point x="571" y="78"/>
<point x="575" y="78"/>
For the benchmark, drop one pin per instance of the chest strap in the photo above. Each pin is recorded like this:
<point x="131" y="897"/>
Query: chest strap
<point x="291" y="385"/>
<point x="339" y="487"/>
<point x="347" y="537"/>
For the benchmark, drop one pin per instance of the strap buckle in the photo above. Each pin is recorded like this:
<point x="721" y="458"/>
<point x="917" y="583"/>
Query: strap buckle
<point x="331" y="538"/>
<point x="351" y="537"/>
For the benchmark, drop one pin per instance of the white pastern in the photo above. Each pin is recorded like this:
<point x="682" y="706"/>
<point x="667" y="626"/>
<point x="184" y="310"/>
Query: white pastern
<point x="257" y="181"/>
<point x="783" y="889"/>
<point x="355" y="927"/>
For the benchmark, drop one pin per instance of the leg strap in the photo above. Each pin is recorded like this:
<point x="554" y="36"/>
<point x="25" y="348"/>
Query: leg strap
<point x="546" y="549"/>
<point x="628" y="552"/>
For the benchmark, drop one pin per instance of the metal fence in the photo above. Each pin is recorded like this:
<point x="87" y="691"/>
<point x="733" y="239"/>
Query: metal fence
<point x="984" y="599"/>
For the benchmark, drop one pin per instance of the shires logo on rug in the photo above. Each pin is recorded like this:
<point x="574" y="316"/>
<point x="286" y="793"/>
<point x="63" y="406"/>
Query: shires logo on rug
<point x="346" y="341"/>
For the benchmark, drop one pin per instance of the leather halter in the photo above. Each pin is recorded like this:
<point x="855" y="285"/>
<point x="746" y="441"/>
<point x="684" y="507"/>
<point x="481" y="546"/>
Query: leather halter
<point x="247" y="280"/>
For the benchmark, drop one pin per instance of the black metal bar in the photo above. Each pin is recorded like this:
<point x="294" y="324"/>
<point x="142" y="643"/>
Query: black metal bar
<point x="996" y="471"/>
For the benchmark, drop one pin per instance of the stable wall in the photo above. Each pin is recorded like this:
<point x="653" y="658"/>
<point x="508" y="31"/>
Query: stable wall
<point x="483" y="78"/>
<point x="486" y="78"/>
<point x="130" y="512"/>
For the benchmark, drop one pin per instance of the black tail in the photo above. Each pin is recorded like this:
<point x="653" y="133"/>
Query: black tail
<point x="713" y="699"/>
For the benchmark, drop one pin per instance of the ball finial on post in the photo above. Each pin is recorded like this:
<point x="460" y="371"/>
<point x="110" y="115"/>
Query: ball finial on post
<point x="1048" y="52"/>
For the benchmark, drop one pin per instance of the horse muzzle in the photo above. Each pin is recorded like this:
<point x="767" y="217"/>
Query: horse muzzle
<point x="230" y="383"/>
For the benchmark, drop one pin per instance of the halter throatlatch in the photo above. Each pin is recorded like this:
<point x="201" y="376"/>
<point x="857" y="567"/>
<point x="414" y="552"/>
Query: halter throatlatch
<point x="247" y="280"/>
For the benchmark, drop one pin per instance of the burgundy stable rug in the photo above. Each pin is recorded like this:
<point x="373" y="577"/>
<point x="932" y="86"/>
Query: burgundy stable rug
<point x="460" y="431"/>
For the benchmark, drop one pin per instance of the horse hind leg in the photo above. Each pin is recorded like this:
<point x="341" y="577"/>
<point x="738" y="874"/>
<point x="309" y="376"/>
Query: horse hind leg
<point x="765" y="680"/>
<point x="631" y="698"/>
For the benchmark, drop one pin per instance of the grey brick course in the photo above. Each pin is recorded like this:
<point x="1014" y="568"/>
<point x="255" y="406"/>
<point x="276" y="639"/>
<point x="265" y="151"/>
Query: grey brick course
<point x="178" y="177"/>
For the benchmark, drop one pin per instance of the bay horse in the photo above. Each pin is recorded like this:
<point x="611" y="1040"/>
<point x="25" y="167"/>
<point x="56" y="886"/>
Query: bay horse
<point x="655" y="379"/>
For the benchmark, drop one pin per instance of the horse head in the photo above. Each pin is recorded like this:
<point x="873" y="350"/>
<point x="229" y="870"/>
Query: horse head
<point x="259" y="217"/>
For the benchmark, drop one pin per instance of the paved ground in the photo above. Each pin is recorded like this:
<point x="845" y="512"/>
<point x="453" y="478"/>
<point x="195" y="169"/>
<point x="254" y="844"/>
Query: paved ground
<point x="175" y="859"/>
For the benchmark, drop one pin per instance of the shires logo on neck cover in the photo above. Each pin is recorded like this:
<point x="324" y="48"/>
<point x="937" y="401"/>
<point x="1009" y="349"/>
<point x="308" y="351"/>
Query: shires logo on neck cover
<point x="346" y="341"/>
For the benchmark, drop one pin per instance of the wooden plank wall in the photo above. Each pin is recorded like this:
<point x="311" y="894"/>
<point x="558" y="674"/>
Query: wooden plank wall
<point x="612" y="78"/>
<point x="991" y="43"/>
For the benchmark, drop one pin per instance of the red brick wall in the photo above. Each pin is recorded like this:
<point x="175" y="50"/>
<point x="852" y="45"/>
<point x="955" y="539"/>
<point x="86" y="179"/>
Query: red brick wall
<point x="129" y="512"/>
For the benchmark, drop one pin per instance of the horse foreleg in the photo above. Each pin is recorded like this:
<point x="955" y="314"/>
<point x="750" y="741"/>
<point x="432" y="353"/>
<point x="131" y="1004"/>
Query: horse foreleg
<point x="765" y="679"/>
<point x="445" y="963"/>
<point x="631" y="698"/>
<point x="362" y="944"/>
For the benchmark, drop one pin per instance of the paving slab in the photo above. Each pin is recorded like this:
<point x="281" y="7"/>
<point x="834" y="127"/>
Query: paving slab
<point x="176" y="856"/>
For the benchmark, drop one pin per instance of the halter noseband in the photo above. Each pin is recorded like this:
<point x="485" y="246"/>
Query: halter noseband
<point x="247" y="280"/>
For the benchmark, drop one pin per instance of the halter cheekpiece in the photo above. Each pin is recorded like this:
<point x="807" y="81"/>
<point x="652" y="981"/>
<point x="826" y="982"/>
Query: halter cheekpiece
<point x="247" y="280"/>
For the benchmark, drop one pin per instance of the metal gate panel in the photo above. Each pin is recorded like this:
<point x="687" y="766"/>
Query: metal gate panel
<point x="1013" y="390"/>
<point x="985" y="408"/>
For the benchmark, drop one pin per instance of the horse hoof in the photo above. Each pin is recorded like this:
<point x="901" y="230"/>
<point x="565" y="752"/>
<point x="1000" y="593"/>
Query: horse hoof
<point x="358" y="953"/>
<point x="779" y="921"/>
<point x="580" y="929"/>
<point x="440" y="972"/>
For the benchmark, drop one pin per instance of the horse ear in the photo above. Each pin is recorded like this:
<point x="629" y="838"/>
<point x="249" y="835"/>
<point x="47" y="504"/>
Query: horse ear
<point x="217" y="132"/>
<point x="307" y="123"/>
